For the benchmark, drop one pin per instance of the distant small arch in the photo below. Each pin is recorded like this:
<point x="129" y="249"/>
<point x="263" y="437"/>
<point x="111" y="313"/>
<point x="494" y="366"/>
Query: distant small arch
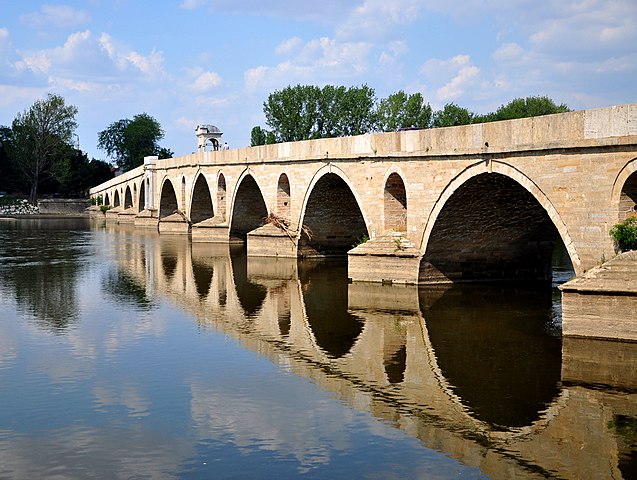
<point x="168" y="202"/>
<point x="201" y="200"/>
<point x="221" y="196"/>
<point x="283" y="201"/>
<point x="183" y="193"/>
<point x="624" y="193"/>
<point x="142" y="197"/>
<point x="116" y="201"/>
<point x="395" y="203"/>
<point x="249" y="210"/>
<point x="128" y="198"/>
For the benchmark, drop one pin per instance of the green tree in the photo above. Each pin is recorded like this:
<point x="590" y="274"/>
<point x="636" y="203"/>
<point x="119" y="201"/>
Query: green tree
<point x="305" y="112"/>
<point x="128" y="141"/>
<point x="38" y="136"/>
<point x="401" y="110"/>
<point x="258" y="136"/>
<point x="291" y="113"/>
<point x="528" y="107"/>
<point x="452" y="115"/>
<point x="357" y="111"/>
<point x="6" y="167"/>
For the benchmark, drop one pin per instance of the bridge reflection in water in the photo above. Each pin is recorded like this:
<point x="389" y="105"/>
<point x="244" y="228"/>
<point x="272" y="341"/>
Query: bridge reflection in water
<point x="480" y="373"/>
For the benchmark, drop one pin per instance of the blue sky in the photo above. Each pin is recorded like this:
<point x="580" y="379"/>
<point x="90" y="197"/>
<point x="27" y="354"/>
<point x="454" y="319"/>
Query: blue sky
<point x="215" y="61"/>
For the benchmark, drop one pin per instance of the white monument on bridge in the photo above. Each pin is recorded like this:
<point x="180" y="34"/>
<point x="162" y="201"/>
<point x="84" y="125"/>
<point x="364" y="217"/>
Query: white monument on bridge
<point x="208" y="135"/>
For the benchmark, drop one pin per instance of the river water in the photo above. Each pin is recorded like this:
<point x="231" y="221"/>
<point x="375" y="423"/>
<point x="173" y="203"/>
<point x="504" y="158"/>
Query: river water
<point x="128" y="355"/>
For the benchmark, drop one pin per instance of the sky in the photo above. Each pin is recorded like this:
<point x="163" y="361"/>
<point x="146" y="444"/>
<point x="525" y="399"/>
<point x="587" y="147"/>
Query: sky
<point x="191" y="62"/>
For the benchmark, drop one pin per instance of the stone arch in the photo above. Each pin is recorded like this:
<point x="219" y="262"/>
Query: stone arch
<point x="530" y="232"/>
<point x="116" y="201"/>
<point x="183" y="193"/>
<point x="624" y="193"/>
<point x="201" y="201"/>
<point x="221" y="196"/>
<point x="395" y="203"/>
<point x="248" y="207"/>
<point x="134" y="193"/>
<point x="283" y="201"/>
<point x="142" y="196"/>
<point x="107" y="200"/>
<point x="332" y="212"/>
<point x="128" y="198"/>
<point x="168" y="199"/>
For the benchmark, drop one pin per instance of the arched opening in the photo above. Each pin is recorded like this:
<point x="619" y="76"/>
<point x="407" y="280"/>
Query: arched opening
<point x="333" y="217"/>
<point x="128" y="198"/>
<point x="168" y="203"/>
<point x="249" y="210"/>
<point x="116" y="201"/>
<point x="142" y="197"/>
<point x="395" y="204"/>
<point x="201" y="206"/>
<point x="183" y="194"/>
<point x="134" y="193"/>
<point x="283" y="197"/>
<point x="491" y="229"/>
<point x="221" y="196"/>
<point x="107" y="200"/>
<point x="628" y="198"/>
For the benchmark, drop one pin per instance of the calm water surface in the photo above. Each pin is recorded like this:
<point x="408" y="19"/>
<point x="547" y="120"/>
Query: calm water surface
<point x="127" y="355"/>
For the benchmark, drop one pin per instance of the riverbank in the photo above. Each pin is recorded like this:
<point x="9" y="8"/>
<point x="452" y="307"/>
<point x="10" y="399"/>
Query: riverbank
<point x="46" y="207"/>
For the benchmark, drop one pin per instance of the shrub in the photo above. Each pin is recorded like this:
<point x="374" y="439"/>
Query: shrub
<point x="625" y="234"/>
<point x="104" y="208"/>
<point x="93" y="201"/>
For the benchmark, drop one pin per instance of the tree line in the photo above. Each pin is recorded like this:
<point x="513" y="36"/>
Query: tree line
<point x="305" y="112"/>
<point x="40" y="152"/>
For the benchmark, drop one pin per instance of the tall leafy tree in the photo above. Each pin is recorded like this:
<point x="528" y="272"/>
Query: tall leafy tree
<point x="6" y="167"/>
<point x="258" y="136"/>
<point x="128" y="141"/>
<point x="292" y="113"/>
<point x="452" y="115"/>
<point x="401" y="110"/>
<point x="305" y="112"/>
<point x="528" y="107"/>
<point x="357" y="111"/>
<point x="38" y="136"/>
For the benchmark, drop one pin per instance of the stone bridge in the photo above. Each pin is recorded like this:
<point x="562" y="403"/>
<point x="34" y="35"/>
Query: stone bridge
<point x="394" y="364"/>
<point x="478" y="202"/>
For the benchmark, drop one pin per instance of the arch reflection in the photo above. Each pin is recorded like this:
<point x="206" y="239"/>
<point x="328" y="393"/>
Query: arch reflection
<point x="325" y="296"/>
<point x="493" y="346"/>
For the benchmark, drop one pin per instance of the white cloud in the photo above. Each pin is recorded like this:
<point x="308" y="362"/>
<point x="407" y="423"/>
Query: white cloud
<point x="123" y="58"/>
<point x="373" y="19"/>
<point x="289" y="46"/>
<point x="206" y="81"/>
<point x="450" y="78"/>
<point x="394" y="50"/>
<point x="61" y="16"/>
<point x="317" y="61"/>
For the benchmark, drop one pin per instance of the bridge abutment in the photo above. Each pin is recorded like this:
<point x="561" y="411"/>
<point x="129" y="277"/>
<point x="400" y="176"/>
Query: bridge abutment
<point x="386" y="259"/>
